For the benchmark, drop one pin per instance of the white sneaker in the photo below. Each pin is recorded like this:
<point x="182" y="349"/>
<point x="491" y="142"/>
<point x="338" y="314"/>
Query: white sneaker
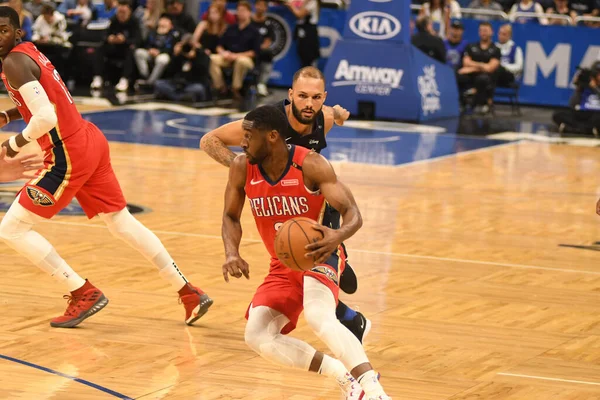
<point x="96" y="83"/>
<point x="261" y="88"/>
<point x="123" y="85"/>
<point x="350" y="388"/>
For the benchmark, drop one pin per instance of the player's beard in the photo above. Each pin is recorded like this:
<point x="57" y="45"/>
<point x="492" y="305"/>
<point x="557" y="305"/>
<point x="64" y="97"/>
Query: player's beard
<point x="300" y="118"/>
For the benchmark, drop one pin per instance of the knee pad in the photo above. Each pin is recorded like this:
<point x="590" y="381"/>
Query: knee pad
<point x="17" y="222"/>
<point x="121" y="224"/>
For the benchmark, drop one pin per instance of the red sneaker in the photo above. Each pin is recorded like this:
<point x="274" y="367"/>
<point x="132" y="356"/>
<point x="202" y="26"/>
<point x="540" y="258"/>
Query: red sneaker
<point x="196" y="303"/>
<point x="81" y="306"/>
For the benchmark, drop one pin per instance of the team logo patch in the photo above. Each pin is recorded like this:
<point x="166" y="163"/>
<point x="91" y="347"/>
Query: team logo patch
<point x="328" y="272"/>
<point x="38" y="197"/>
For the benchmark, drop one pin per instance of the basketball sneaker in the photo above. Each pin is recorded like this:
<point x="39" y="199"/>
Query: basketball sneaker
<point x="82" y="303"/>
<point x="350" y="388"/>
<point x="360" y="326"/>
<point x="196" y="303"/>
<point x="348" y="280"/>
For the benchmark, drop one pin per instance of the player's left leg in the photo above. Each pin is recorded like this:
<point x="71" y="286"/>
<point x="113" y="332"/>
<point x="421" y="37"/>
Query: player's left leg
<point x="101" y="195"/>
<point x="320" y="298"/>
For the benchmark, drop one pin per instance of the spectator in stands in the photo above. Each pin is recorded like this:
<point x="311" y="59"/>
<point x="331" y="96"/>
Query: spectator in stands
<point x="584" y="114"/>
<point x="487" y="5"/>
<point x="123" y="37"/>
<point x="427" y="40"/>
<point x="306" y="33"/>
<point x="561" y="7"/>
<point x="221" y="5"/>
<point x="586" y="8"/>
<point x="148" y="16"/>
<point x="260" y="21"/>
<point x="157" y="50"/>
<point x="25" y="18"/>
<point x="82" y="13"/>
<point x="480" y="65"/>
<point x="208" y="33"/>
<point x="441" y="12"/>
<point x="455" y="45"/>
<point x="188" y="74"/>
<point x="238" y="47"/>
<point x="106" y="10"/>
<point x="183" y="21"/>
<point x="511" y="61"/>
<point x="528" y="6"/>
<point x="51" y="37"/>
<point x="35" y="8"/>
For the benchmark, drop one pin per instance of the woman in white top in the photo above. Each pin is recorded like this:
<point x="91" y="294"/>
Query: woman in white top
<point x="440" y="12"/>
<point x="528" y="6"/>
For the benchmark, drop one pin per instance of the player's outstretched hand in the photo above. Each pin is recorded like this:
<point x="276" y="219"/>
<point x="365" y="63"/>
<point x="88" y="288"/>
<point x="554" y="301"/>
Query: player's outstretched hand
<point x="340" y="114"/>
<point x="236" y="267"/>
<point x="598" y="207"/>
<point x="322" y="249"/>
<point x="17" y="168"/>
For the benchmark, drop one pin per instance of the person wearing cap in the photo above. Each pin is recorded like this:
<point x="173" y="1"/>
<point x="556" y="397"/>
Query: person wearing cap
<point x="183" y="22"/>
<point x="455" y="45"/>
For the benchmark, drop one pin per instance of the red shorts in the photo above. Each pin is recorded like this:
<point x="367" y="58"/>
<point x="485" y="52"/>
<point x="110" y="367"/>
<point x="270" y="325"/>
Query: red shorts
<point x="283" y="289"/>
<point x="77" y="167"/>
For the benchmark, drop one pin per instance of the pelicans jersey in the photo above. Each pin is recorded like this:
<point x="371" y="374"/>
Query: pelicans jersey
<point x="77" y="159"/>
<point x="272" y="204"/>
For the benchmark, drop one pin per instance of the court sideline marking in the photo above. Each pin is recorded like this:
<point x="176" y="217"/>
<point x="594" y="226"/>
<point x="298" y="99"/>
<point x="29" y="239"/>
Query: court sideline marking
<point x="545" y="378"/>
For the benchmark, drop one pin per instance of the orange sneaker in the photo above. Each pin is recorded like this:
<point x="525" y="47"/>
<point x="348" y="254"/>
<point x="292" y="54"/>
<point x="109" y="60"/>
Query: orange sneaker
<point x="81" y="306"/>
<point x="195" y="302"/>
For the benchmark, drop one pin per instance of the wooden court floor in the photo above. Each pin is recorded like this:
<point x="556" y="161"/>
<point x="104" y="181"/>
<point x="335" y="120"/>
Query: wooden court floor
<point x="460" y="268"/>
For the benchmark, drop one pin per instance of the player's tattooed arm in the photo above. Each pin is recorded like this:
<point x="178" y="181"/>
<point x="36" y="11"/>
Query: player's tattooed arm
<point x="216" y="143"/>
<point x="231" y="231"/>
<point x="319" y="174"/>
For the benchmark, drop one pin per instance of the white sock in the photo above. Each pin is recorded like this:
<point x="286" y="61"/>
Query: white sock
<point x="65" y="274"/>
<point x="332" y="368"/>
<point x="370" y="384"/>
<point x="171" y="273"/>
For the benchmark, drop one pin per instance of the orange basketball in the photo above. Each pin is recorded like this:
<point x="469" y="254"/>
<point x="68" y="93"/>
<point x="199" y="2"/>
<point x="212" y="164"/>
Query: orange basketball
<point x="290" y="240"/>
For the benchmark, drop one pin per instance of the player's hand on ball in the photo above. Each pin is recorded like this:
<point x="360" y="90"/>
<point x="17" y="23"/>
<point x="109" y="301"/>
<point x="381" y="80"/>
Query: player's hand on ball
<point x="340" y="114"/>
<point x="322" y="249"/>
<point x="236" y="267"/>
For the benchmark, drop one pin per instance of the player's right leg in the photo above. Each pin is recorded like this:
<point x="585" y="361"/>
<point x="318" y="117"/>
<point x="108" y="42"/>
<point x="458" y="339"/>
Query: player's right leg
<point x="263" y="335"/>
<point x="16" y="230"/>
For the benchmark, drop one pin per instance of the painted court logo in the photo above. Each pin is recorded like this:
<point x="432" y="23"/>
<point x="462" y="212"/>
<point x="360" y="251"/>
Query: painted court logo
<point x="367" y="79"/>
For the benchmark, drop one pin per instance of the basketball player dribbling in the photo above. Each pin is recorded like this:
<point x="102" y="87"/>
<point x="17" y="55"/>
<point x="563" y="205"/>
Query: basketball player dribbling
<point x="271" y="174"/>
<point x="77" y="164"/>
<point x="309" y="121"/>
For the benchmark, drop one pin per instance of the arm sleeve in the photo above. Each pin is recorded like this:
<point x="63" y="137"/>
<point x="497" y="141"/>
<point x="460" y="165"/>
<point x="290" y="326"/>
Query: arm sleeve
<point x="43" y="117"/>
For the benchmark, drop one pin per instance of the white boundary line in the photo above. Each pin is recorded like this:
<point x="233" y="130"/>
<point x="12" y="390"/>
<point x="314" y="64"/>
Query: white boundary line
<point x="545" y="378"/>
<point x="352" y="250"/>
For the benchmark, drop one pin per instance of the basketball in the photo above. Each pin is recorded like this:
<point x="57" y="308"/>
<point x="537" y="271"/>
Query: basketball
<point x="290" y="241"/>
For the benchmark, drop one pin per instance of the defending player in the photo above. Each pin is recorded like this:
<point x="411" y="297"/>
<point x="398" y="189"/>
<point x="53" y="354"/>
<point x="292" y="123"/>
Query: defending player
<point x="270" y="174"/>
<point x="309" y="121"/>
<point x="77" y="164"/>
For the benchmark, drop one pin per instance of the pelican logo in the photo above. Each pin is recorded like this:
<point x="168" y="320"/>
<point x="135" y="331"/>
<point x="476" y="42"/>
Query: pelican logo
<point x="327" y="271"/>
<point x="38" y="197"/>
<point x="8" y="196"/>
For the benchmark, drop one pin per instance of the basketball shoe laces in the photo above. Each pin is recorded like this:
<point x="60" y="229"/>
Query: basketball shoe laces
<point x="74" y="302"/>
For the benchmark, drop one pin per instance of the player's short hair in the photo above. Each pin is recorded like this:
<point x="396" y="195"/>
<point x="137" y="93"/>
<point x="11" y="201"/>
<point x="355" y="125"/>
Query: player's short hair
<point x="267" y="118"/>
<point x="485" y="23"/>
<point x="308" y="72"/>
<point x="245" y="4"/>
<point x="125" y="3"/>
<point x="260" y="1"/>
<point x="12" y="15"/>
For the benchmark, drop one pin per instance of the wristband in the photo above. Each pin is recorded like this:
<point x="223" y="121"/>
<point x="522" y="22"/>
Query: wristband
<point x="6" y="116"/>
<point x="12" y="142"/>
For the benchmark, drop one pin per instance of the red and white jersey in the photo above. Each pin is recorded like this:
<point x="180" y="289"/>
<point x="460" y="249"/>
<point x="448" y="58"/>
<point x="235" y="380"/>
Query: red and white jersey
<point x="274" y="203"/>
<point x="69" y="119"/>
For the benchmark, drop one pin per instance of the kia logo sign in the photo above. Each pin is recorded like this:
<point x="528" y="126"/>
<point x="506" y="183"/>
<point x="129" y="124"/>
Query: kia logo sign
<point x="375" y="25"/>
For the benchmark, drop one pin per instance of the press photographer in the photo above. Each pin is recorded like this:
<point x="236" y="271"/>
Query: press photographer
<point x="583" y="117"/>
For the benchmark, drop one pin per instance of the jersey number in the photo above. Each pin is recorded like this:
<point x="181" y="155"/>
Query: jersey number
<point x="62" y="85"/>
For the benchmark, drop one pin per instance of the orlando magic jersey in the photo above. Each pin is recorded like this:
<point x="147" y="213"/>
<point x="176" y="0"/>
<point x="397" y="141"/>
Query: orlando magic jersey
<point x="314" y="140"/>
